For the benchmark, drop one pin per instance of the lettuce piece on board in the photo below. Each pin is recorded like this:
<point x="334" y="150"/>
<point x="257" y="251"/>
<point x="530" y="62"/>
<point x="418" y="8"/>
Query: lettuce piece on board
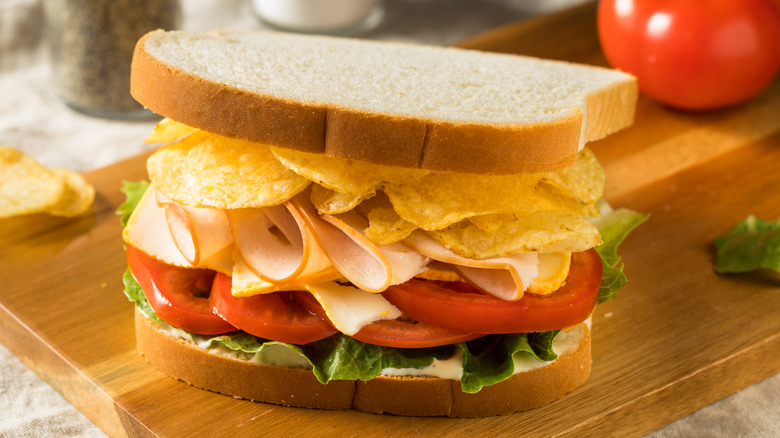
<point x="752" y="244"/>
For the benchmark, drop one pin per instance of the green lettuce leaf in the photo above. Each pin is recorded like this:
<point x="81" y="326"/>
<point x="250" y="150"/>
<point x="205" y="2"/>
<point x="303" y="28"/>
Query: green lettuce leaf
<point x="269" y="351"/>
<point x="487" y="360"/>
<point x="614" y="226"/>
<point x="133" y="192"/>
<point x="490" y="360"/>
<point x="750" y="245"/>
<point x="240" y="341"/>
<point x="541" y="344"/>
<point x="135" y="294"/>
<point x="340" y="357"/>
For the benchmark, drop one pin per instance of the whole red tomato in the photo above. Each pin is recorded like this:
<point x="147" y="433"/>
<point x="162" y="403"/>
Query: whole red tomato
<point x="693" y="54"/>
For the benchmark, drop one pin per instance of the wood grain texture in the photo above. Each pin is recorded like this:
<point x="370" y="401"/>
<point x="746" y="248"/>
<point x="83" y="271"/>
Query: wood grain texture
<point x="678" y="338"/>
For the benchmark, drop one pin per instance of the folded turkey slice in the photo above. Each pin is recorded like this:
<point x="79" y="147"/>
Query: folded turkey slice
<point x="172" y="235"/>
<point x="246" y="283"/>
<point x="198" y="232"/>
<point x="291" y="245"/>
<point x="404" y="261"/>
<point x="370" y="267"/>
<point x="503" y="277"/>
<point x="275" y="243"/>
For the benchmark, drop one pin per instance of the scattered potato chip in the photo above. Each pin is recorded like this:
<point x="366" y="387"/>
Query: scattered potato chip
<point x="25" y="185"/>
<point x="208" y="170"/>
<point x="78" y="195"/>
<point x="167" y="131"/>
<point x="28" y="187"/>
<point x="544" y="231"/>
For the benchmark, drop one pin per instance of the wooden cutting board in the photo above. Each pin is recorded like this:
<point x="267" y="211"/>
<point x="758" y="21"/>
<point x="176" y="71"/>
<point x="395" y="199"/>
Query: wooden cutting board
<point x="678" y="338"/>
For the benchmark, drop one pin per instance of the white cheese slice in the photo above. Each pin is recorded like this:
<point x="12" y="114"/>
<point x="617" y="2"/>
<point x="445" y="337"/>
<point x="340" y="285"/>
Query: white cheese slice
<point x="349" y="308"/>
<point x="553" y="270"/>
<point x="246" y="283"/>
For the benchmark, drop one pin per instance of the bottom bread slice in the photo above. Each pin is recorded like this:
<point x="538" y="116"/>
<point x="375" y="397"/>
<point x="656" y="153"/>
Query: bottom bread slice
<point x="404" y="395"/>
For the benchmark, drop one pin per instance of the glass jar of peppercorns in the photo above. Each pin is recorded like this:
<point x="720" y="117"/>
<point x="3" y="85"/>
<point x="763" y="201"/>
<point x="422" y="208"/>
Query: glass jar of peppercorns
<point x="91" y="46"/>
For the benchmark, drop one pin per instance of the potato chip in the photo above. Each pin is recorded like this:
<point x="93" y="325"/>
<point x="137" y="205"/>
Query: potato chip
<point x="77" y="197"/>
<point x="438" y="271"/>
<point x="548" y="197"/>
<point x="477" y="216"/>
<point x="208" y="170"/>
<point x="434" y="200"/>
<point x="544" y="231"/>
<point x="327" y="201"/>
<point x="341" y="175"/>
<point x="167" y="131"/>
<point x="438" y="200"/>
<point x="385" y="226"/>
<point x="584" y="180"/>
<point x="25" y="185"/>
<point x="28" y="187"/>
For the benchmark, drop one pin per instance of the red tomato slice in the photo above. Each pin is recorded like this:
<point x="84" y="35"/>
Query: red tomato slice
<point x="397" y="333"/>
<point x="278" y="316"/>
<point x="470" y="312"/>
<point x="179" y="296"/>
<point x="402" y="334"/>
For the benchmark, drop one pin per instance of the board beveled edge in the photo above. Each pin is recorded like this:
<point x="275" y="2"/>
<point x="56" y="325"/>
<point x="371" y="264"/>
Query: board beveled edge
<point x="65" y="378"/>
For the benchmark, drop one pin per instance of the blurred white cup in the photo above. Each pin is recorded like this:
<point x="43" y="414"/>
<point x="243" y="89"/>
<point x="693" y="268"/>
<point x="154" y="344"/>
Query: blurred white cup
<point x="336" y="17"/>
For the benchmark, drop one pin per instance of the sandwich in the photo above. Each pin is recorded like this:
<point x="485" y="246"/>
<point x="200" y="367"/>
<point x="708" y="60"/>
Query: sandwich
<point x="391" y="228"/>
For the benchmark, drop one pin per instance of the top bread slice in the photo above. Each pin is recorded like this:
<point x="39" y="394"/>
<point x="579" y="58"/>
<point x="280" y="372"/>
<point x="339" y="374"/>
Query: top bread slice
<point x="437" y="108"/>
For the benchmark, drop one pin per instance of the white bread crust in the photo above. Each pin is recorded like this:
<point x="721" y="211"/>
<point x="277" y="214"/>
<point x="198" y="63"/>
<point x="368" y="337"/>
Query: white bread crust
<point x="410" y="396"/>
<point x="172" y="74"/>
